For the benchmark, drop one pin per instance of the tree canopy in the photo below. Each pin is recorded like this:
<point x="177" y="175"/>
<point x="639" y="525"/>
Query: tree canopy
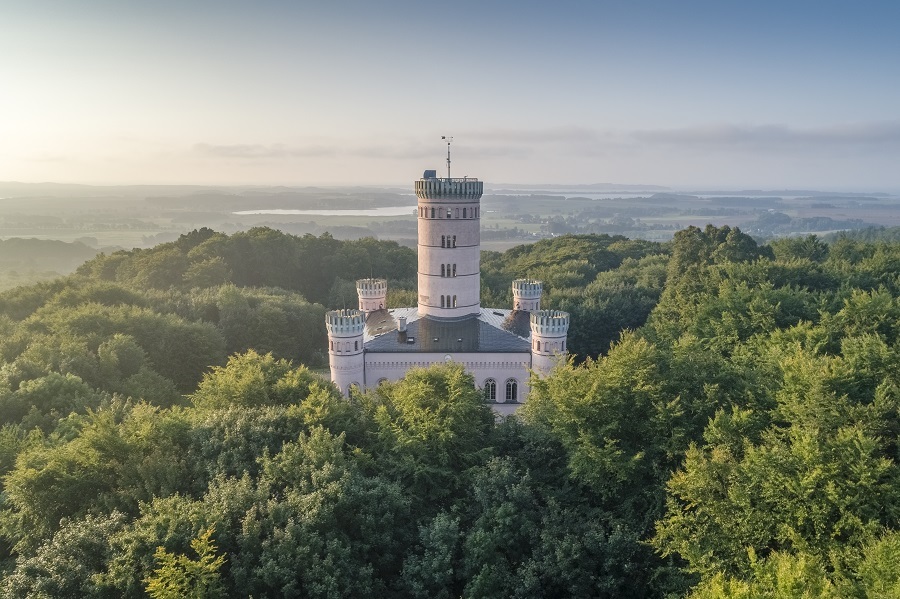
<point x="729" y="426"/>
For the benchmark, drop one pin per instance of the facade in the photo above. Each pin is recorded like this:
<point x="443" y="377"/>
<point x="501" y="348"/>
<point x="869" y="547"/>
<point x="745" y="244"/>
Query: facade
<point x="498" y="346"/>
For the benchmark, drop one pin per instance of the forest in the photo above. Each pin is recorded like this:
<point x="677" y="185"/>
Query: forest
<point x="727" y="426"/>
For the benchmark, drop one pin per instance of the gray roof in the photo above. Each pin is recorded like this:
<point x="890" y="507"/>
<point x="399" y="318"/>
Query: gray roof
<point x="488" y="331"/>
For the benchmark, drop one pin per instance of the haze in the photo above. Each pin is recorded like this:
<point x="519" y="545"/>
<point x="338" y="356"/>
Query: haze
<point x="703" y="94"/>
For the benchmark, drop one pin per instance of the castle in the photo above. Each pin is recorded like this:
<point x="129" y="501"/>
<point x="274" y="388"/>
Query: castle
<point x="498" y="346"/>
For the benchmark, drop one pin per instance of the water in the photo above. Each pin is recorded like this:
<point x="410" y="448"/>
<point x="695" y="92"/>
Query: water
<point x="383" y="211"/>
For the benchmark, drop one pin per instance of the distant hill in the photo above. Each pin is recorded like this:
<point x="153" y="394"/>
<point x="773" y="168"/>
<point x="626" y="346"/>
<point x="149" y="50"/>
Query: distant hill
<point x="26" y="261"/>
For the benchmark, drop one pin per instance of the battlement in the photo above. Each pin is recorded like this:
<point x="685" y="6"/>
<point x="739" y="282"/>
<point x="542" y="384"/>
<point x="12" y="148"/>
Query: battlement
<point x="527" y="294"/>
<point x="345" y="323"/>
<point x="371" y="287"/>
<point x="465" y="189"/>
<point x="550" y="323"/>
<point x="527" y="288"/>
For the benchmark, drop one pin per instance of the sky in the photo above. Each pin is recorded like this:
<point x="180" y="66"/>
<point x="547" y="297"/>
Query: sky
<point x="686" y="94"/>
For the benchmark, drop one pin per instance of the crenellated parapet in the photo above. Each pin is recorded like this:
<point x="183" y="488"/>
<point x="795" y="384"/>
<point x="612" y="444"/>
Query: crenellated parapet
<point x="345" y="323"/>
<point x="464" y="189"/>
<point x="527" y="294"/>
<point x="372" y="294"/>
<point x="549" y="323"/>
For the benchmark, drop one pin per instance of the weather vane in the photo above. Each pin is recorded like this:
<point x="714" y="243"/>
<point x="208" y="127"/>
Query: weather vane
<point x="448" y="138"/>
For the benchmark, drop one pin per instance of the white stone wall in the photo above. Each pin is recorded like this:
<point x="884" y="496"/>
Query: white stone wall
<point x="498" y="366"/>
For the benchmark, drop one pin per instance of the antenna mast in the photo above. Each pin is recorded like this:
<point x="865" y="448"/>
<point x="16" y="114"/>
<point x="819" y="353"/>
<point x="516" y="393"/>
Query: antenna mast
<point x="448" y="139"/>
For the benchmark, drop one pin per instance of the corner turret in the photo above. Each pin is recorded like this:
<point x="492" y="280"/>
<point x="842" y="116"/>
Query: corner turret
<point x="372" y="294"/>
<point x="345" y="348"/>
<point x="527" y="295"/>
<point x="549" y="329"/>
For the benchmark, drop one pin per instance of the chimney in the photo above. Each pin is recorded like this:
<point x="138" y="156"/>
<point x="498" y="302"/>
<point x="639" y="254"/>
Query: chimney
<point x="402" y="325"/>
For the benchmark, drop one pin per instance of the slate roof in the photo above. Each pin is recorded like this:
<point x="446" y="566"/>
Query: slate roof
<point x="488" y="331"/>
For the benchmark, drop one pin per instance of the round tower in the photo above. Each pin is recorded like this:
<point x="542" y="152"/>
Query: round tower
<point x="548" y="339"/>
<point x="527" y="295"/>
<point x="345" y="348"/>
<point x="449" y="248"/>
<point x="372" y="294"/>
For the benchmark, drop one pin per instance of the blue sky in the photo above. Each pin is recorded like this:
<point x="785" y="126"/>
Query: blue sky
<point x="685" y="94"/>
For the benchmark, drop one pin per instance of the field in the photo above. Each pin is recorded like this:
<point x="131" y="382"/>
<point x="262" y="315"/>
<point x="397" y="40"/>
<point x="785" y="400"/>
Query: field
<point x="123" y="217"/>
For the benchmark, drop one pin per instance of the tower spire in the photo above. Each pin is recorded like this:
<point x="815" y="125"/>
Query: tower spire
<point x="448" y="138"/>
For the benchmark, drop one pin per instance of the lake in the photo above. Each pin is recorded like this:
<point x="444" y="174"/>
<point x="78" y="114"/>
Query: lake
<point x="383" y="211"/>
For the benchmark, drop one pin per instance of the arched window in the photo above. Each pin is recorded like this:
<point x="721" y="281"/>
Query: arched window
<point x="353" y="388"/>
<point x="432" y="213"/>
<point x="476" y="213"/>
<point x="512" y="390"/>
<point x="454" y="241"/>
<point x="442" y="301"/>
<point x="443" y="240"/>
<point x="456" y="212"/>
<point x="442" y="271"/>
<point x="454" y="270"/>
<point x="448" y="213"/>
<point x="356" y="346"/>
<point x="490" y="390"/>
<point x="454" y="301"/>
<point x="538" y="345"/>
<point x="564" y="346"/>
<point x="382" y="381"/>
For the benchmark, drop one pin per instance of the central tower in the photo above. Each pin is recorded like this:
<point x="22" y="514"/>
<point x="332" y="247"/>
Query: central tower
<point x="449" y="246"/>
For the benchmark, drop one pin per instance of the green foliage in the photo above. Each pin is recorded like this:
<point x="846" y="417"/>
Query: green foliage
<point x="431" y="427"/>
<point x="879" y="571"/>
<point x="122" y="455"/>
<point x="178" y="576"/>
<point x="70" y="563"/>
<point x="815" y="482"/>
<point x="781" y="576"/>
<point x="742" y="441"/>
<point x="252" y="380"/>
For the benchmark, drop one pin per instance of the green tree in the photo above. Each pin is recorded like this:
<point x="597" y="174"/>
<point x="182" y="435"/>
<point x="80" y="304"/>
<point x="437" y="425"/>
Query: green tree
<point x="431" y="426"/>
<point x="251" y="379"/>
<point x="180" y="577"/>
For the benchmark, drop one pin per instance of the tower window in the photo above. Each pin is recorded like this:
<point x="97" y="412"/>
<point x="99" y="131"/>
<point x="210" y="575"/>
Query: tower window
<point x="432" y="213"/>
<point x="476" y="213"/>
<point x="512" y="390"/>
<point x="442" y="301"/>
<point x="464" y="213"/>
<point x="456" y="212"/>
<point x="443" y="240"/>
<point x="538" y="345"/>
<point x="454" y="270"/>
<point x="448" y="213"/>
<point x="356" y="346"/>
<point x="490" y="390"/>
<point x="454" y="301"/>
<point x="442" y="271"/>
<point x="454" y="241"/>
